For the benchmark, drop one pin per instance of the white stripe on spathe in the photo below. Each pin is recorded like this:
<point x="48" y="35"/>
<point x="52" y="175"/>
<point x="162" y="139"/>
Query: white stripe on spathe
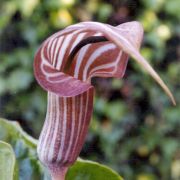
<point x="79" y="116"/>
<point x="48" y="48"/>
<point x="63" y="129"/>
<point x="55" y="132"/>
<point x="59" y="43"/>
<point x="63" y="50"/>
<point x="79" y="37"/>
<point x="70" y="143"/>
<point x="52" y="50"/>
<point x="52" y="119"/>
<point x="80" y="57"/>
<point x="63" y="79"/>
<point x="95" y="55"/>
<point x="44" y="61"/>
<point x="85" y="113"/>
<point x="43" y="133"/>
<point x="64" y="47"/>
<point x="45" y="140"/>
<point x="106" y="66"/>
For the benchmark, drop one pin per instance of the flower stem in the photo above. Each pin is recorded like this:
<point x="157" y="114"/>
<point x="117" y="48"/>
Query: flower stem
<point x="58" y="173"/>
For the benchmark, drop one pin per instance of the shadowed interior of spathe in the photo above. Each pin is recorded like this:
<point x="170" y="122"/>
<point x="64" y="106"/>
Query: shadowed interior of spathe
<point x="64" y="66"/>
<point x="88" y="40"/>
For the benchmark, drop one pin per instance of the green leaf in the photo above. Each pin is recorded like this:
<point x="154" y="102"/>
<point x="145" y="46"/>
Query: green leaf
<point x="7" y="161"/>
<point x="172" y="7"/>
<point x="28" y="165"/>
<point x="11" y="131"/>
<point x="89" y="170"/>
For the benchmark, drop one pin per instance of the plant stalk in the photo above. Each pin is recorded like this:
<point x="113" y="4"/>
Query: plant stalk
<point x="58" y="174"/>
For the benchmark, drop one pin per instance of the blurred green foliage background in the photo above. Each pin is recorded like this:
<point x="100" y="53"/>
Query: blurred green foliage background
<point x="135" y="129"/>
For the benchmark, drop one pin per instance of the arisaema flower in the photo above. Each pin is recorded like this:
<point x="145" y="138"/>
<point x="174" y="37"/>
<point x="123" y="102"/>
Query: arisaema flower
<point x="64" y="66"/>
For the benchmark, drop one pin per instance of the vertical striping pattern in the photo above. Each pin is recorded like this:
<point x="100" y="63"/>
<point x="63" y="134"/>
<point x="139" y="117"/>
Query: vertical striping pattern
<point x="65" y="127"/>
